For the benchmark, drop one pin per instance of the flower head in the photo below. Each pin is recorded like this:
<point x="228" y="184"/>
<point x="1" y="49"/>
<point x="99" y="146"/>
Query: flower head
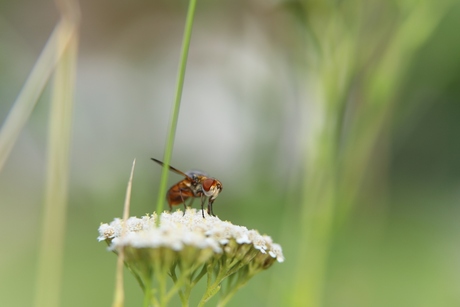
<point x="187" y="247"/>
<point x="177" y="230"/>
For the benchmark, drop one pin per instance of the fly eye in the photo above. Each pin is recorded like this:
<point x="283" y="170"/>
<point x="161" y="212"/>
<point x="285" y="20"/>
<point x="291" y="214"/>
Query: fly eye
<point x="207" y="184"/>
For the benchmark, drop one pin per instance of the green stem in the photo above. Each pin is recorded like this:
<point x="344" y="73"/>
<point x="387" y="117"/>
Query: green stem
<point x="161" y="275"/>
<point x="176" y="106"/>
<point x="214" y="287"/>
<point x="137" y="276"/>
<point x="176" y="287"/>
<point x="185" y="279"/>
<point x="242" y="279"/>
<point x="187" y="292"/>
<point x="147" y="293"/>
<point x="224" y="300"/>
<point x="202" y="273"/>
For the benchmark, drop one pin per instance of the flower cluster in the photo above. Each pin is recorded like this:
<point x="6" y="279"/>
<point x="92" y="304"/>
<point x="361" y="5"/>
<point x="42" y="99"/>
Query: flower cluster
<point x="187" y="247"/>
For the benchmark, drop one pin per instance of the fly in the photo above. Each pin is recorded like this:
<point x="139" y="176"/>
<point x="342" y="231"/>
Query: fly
<point x="194" y="185"/>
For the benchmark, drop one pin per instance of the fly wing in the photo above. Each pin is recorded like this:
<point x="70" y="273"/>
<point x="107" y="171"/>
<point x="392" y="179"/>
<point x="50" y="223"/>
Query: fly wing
<point x="193" y="173"/>
<point x="175" y="170"/>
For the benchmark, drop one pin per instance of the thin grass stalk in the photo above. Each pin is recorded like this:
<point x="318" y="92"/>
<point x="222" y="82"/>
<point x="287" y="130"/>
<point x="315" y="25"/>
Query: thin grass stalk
<point x="119" y="296"/>
<point x="48" y="287"/>
<point x="33" y="87"/>
<point x="176" y="106"/>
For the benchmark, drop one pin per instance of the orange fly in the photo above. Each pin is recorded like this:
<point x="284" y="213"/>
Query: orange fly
<point x="195" y="184"/>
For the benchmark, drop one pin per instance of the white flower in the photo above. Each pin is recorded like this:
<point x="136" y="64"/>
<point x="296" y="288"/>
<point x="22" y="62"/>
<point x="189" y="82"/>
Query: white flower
<point x="276" y="252"/>
<point x="177" y="230"/>
<point x="258" y="241"/>
<point x="187" y="247"/>
<point x="106" y="232"/>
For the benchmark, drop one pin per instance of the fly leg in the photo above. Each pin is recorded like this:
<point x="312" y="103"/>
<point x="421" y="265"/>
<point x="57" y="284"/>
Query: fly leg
<point x="202" y="204"/>
<point x="210" y="211"/>
<point x="183" y="201"/>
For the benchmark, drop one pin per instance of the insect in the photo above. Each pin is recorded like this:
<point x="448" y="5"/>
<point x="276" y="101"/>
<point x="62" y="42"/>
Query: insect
<point x="195" y="184"/>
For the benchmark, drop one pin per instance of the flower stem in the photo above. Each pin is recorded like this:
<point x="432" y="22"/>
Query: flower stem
<point x="161" y="275"/>
<point x="176" y="287"/>
<point x="242" y="279"/>
<point x="147" y="293"/>
<point x="176" y="106"/>
<point x="197" y="279"/>
<point x="214" y="287"/>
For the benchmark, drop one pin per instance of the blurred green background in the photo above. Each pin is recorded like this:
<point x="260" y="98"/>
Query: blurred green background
<point x="333" y="126"/>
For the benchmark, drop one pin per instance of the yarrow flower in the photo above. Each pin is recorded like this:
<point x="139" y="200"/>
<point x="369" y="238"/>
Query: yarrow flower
<point x="187" y="247"/>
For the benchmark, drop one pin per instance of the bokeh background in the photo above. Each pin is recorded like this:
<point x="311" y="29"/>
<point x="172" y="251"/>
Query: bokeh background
<point x="333" y="126"/>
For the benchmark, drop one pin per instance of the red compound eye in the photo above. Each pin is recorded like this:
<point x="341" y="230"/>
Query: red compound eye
<point x="207" y="184"/>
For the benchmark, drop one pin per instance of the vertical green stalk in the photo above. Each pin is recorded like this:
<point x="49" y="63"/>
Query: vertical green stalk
<point x="54" y="216"/>
<point x="176" y="106"/>
<point x="364" y="89"/>
<point x="147" y="293"/>
<point x="161" y="276"/>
